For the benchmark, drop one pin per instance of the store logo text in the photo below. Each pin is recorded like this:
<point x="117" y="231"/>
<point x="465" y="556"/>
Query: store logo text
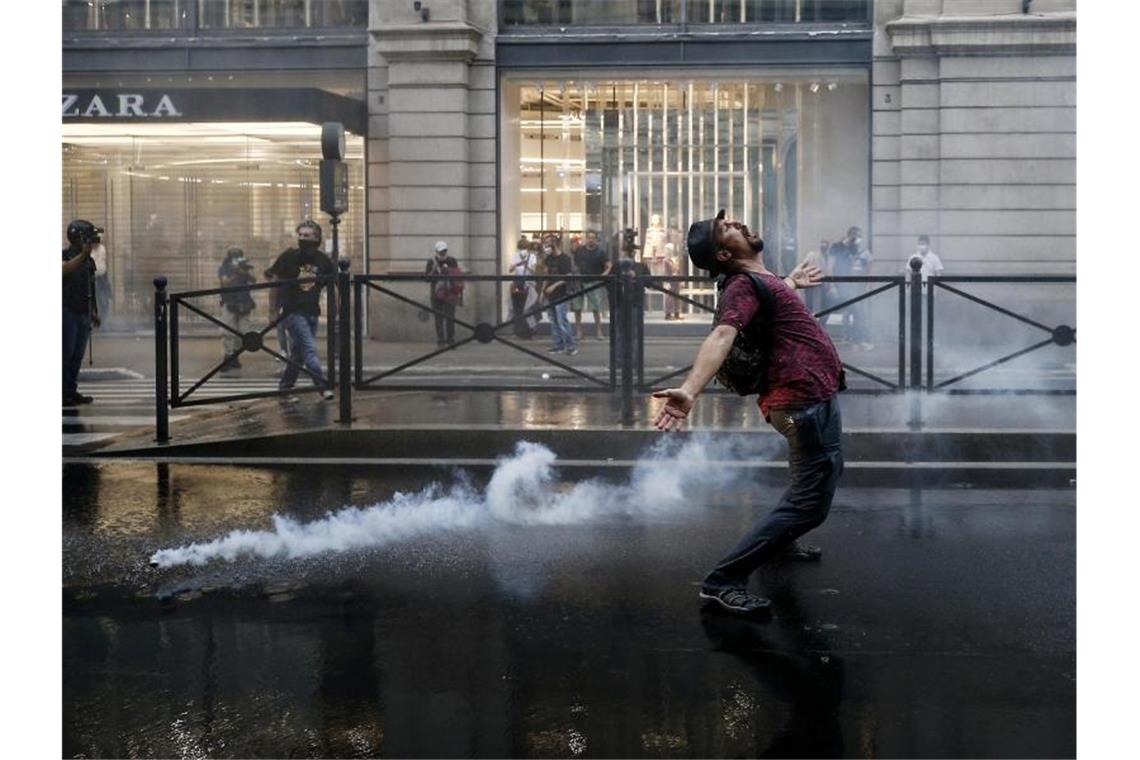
<point x="129" y="106"/>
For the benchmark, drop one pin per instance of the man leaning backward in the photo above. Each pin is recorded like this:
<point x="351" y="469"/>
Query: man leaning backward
<point x="803" y="374"/>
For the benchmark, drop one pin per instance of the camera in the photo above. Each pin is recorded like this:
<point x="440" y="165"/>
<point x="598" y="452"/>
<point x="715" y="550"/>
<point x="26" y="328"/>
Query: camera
<point x="629" y="240"/>
<point x="83" y="232"/>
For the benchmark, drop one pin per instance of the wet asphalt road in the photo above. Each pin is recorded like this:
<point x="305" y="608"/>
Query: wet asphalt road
<point x="939" y="623"/>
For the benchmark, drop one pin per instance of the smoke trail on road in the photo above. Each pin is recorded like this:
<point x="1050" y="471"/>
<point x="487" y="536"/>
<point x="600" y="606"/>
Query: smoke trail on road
<point x="523" y="490"/>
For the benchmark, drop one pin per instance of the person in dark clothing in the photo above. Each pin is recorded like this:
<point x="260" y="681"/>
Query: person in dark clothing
<point x="80" y="309"/>
<point x="445" y="294"/>
<point x="236" y="306"/>
<point x="557" y="262"/>
<point x="803" y="376"/>
<point x="850" y="257"/>
<point x="300" y="303"/>
<point x="590" y="259"/>
<point x="629" y="269"/>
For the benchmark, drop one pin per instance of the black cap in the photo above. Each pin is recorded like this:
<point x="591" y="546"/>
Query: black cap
<point x="702" y="244"/>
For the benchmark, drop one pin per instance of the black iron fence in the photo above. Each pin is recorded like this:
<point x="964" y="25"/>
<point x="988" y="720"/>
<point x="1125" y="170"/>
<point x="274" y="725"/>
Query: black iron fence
<point x="625" y="367"/>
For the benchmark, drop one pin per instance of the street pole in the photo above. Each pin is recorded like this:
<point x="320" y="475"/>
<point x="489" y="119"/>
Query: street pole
<point x="334" y="311"/>
<point x="345" y="334"/>
<point x="161" y="410"/>
<point x="915" y="387"/>
<point x="625" y="305"/>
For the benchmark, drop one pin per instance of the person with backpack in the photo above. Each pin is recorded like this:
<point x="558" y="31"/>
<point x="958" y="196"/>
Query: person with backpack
<point x="235" y="271"/>
<point x="446" y="294"/>
<point x="524" y="297"/>
<point x="765" y="342"/>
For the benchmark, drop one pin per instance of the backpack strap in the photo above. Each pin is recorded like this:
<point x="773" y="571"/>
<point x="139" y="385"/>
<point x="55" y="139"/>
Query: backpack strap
<point x="767" y="312"/>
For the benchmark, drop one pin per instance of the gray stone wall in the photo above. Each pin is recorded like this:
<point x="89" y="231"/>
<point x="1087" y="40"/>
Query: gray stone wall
<point x="431" y="148"/>
<point x="974" y="124"/>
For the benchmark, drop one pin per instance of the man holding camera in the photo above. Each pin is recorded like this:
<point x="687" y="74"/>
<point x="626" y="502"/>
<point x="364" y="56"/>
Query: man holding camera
<point x="80" y="312"/>
<point x="235" y="271"/>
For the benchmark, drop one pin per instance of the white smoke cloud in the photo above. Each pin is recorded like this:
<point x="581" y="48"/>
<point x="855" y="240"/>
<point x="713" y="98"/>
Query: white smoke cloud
<point x="523" y="490"/>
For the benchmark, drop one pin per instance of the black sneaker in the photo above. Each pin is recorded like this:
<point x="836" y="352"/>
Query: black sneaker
<point x="798" y="552"/>
<point x="76" y="399"/>
<point x="738" y="600"/>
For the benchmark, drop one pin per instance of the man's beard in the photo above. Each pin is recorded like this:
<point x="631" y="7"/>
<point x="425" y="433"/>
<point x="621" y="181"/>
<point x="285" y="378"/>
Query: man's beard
<point x="754" y="241"/>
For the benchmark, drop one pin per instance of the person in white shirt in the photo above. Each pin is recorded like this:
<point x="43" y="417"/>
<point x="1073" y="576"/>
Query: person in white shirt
<point x="931" y="264"/>
<point x="523" y="294"/>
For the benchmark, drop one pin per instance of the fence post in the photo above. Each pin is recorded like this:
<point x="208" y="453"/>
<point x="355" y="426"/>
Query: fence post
<point x="345" y="338"/>
<point x="161" y="408"/>
<point x="915" y="385"/>
<point x="358" y="330"/>
<point x="625" y="306"/>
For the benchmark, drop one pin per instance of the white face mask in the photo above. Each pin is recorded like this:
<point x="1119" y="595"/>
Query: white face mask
<point x="547" y="250"/>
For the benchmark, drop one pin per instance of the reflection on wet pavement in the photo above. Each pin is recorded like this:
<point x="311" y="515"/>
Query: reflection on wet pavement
<point x="940" y="623"/>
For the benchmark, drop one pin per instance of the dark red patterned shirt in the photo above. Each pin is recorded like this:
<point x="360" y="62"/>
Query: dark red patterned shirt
<point x="804" y="367"/>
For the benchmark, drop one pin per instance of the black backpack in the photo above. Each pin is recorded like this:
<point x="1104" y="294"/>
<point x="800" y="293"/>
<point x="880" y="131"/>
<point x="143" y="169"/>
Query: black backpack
<point x="745" y="369"/>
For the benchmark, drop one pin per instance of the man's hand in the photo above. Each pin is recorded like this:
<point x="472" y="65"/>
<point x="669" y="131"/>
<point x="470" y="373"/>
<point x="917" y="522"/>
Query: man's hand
<point x="806" y="275"/>
<point x="672" y="415"/>
<point x="95" y="321"/>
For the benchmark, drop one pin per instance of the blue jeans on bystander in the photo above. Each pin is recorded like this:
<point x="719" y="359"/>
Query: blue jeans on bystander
<point x="301" y="330"/>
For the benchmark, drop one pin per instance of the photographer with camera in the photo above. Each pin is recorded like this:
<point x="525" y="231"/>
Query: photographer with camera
<point x="80" y="310"/>
<point x="630" y="268"/>
<point x="236" y="270"/>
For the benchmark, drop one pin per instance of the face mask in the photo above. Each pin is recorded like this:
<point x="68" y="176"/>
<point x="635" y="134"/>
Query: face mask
<point x="307" y="245"/>
<point x="547" y="250"/>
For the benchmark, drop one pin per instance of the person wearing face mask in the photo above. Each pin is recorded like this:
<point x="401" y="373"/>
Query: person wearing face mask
<point x="300" y="304"/>
<point x="80" y="309"/>
<point x="445" y="294"/>
<point x="522" y="291"/>
<point x="558" y="263"/>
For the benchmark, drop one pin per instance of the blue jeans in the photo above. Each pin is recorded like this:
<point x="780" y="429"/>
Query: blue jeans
<point x="301" y="330"/>
<point x="815" y="460"/>
<point x="76" y="330"/>
<point x="560" y="331"/>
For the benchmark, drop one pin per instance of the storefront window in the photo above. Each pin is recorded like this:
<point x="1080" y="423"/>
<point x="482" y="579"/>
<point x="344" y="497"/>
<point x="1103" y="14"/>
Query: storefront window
<point x="785" y="152"/>
<point x="618" y="12"/>
<point x="126" y="15"/>
<point x="141" y="15"/>
<point x="173" y="198"/>
<point x="599" y="12"/>
<point x="777" y="11"/>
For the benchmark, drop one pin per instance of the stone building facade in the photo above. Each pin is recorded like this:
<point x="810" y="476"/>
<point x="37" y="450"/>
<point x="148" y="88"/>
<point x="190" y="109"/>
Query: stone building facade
<point x="971" y="113"/>
<point x="477" y="121"/>
<point x="974" y="122"/>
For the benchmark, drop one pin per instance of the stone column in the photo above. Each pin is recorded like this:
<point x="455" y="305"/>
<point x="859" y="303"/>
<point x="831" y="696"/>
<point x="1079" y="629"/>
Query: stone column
<point x="987" y="134"/>
<point x="431" y="148"/>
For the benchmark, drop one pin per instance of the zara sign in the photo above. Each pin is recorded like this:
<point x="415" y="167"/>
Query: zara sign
<point x="118" y="105"/>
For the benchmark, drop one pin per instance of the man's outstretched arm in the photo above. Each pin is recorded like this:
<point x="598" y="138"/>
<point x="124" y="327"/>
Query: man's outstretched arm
<point x="678" y="401"/>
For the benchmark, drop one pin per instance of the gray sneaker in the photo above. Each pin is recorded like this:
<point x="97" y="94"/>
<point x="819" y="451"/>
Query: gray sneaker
<point x="738" y="600"/>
